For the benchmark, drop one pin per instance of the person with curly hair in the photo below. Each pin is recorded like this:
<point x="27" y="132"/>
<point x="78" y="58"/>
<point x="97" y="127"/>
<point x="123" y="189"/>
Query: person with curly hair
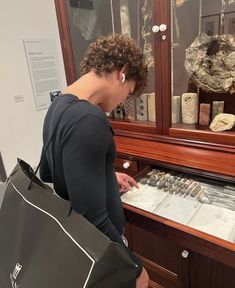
<point x="80" y="160"/>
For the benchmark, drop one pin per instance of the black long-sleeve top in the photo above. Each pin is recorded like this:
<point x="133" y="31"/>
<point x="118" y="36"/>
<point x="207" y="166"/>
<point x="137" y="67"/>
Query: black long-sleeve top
<point x="79" y="162"/>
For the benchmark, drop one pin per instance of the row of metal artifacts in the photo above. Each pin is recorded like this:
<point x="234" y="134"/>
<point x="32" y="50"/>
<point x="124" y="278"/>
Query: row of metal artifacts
<point x="182" y="185"/>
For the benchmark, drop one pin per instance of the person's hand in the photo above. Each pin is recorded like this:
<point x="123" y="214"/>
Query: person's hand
<point x="125" y="182"/>
<point x="143" y="280"/>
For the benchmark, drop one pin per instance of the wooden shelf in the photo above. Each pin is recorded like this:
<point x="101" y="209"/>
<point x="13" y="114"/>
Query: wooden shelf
<point x="202" y="133"/>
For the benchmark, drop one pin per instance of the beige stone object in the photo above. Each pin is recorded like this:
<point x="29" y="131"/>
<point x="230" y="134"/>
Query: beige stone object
<point x="222" y="122"/>
<point x="176" y="109"/>
<point x="180" y="3"/>
<point x="151" y="107"/>
<point x="217" y="108"/>
<point x="189" y="108"/>
<point x="204" y="114"/>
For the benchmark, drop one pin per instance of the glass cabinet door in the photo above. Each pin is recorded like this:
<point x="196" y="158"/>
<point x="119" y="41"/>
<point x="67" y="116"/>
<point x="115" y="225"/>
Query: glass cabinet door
<point x="88" y="20"/>
<point x="203" y="70"/>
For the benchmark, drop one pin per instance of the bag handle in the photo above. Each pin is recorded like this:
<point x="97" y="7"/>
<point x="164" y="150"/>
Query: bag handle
<point x="47" y="146"/>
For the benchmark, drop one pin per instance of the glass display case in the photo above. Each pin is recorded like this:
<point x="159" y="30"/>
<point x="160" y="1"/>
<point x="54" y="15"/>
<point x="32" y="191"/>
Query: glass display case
<point x="189" y="47"/>
<point x="203" y="204"/>
<point x="203" y="70"/>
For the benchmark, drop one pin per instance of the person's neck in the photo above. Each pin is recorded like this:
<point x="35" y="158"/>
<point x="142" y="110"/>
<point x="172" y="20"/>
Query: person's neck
<point x="90" y="87"/>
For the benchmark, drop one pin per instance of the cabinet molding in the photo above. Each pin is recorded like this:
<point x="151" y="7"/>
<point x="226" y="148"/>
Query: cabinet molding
<point x="205" y="161"/>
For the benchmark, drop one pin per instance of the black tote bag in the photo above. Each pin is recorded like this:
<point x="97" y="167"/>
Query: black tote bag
<point x="45" y="244"/>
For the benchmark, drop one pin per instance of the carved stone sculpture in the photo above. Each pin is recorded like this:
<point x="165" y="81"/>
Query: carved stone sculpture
<point x="147" y="32"/>
<point x="217" y="108"/>
<point x="223" y="122"/>
<point x="210" y="62"/>
<point x="204" y="114"/>
<point x="189" y="108"/>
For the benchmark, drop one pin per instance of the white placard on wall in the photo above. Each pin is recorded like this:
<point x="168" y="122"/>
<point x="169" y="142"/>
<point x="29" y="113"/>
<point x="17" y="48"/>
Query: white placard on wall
<point x="43" y="68"/>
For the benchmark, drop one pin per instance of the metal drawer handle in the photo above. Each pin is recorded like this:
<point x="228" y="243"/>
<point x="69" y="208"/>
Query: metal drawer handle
<point x="185" y="254"/>
<point x="126" y="165"/>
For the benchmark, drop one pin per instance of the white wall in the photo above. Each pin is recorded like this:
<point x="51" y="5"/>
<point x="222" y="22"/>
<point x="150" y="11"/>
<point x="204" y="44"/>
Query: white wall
<point x="20" y="123"/>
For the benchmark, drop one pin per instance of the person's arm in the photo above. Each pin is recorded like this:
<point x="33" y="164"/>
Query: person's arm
<point x="143" y="280"/>
<point x="44" y="170"/>
<point x="84" y="156"/>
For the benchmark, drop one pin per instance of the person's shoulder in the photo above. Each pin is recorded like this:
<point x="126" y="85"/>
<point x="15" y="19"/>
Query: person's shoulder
<point x="83" y="110"/>
<point x="92" y="111"/>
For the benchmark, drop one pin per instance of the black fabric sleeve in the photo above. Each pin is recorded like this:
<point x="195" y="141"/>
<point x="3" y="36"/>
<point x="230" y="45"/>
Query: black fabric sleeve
<point x="84" y="155"/>
<point x="44" y="170"/>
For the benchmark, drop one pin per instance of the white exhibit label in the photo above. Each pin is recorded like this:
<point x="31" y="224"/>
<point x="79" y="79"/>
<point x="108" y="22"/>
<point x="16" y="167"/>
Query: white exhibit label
<point x="43" y="68"/>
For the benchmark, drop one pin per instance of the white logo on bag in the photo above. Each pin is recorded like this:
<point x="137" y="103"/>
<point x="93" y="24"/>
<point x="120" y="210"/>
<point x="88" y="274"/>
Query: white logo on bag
<point x="14" y="275"/>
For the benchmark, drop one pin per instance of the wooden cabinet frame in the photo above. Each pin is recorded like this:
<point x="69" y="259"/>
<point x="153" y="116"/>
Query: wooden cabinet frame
<point x="162" y="131"/>
<point x="201" y="152"/>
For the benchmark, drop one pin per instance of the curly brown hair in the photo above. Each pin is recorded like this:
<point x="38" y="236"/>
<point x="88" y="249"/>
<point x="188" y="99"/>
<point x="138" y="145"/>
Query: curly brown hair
<point x="114" y="52"/>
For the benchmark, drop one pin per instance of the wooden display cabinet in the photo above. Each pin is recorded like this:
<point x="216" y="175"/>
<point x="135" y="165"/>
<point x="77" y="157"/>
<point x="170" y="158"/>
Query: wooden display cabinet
<point x="210" y="261"/>
<point x="177" y="255"/>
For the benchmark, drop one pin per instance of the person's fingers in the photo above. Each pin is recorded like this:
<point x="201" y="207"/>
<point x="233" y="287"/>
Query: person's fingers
<point x="123" y="189"/>
<point x="126" y="184"/>
<point x="133" y="182"/>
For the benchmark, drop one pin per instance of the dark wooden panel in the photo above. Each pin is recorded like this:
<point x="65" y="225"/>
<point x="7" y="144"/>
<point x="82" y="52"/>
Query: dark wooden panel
<point x="208" y="273"/>
<point x="154" y="285"/>
<point x="161" y="257"/>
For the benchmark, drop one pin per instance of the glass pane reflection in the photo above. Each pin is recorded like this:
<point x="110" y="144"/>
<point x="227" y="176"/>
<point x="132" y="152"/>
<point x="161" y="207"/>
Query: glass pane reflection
<point x="91" y="19"/>
<point x="203" y="64"/>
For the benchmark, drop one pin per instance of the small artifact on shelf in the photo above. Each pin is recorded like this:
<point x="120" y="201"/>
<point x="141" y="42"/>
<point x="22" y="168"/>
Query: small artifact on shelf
<point x="222" y="122"/>
<point x="190" y="187"/>
<point x="142" y="107"/>
<point x="196" y="190"/>
<point x="129" y="108"/>
<point x="180" y="2"/>
<point x="173" y="189"/>
<point x="152" y="181"/>
<point x="217" y="108"/>
<point x="190" y="108"/>
<point x="119" y="112"/>
<point x="176" y="109"/>
<point x="153" y="172"/>
<point x="151" y="107"/>
<point x="161" y="183"/>
<point x="204" y="114"/>
<point x="178" y="189"/>
<point x="210" y="198"/>
<point x="143" y="181"/>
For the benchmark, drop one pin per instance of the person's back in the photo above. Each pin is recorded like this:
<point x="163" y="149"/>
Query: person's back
<point x="80" y="159"/>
